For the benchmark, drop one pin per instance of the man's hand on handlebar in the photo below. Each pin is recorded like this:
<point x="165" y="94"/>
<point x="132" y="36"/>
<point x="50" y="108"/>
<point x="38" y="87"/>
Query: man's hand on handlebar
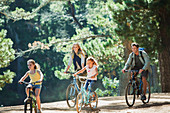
<point x="140" y="71"/>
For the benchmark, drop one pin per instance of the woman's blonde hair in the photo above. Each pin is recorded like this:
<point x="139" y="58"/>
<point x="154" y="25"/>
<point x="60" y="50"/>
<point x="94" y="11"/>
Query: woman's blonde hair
<point x="37" y="66"/>
<point x="93" y="60"/>
<point x="80" y="51"/>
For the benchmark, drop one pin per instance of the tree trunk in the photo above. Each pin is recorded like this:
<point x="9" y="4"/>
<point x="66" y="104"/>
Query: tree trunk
<point x="154" y="79"/>
<point x="164" y="55"/>
<point x="124" y="78"/>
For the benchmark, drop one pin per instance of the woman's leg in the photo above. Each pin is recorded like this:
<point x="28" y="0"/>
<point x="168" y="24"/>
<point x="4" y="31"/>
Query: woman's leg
<point x="37" y="95"/>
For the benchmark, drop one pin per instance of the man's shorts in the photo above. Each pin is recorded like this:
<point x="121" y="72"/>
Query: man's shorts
<point x="145" y="74"/>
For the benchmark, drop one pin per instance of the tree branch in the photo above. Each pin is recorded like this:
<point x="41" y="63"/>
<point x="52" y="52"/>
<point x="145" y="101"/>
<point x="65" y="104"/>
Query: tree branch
<point x="21" y="53"/>
<point x="33" y="12"/>
<point x="73" y="14"/>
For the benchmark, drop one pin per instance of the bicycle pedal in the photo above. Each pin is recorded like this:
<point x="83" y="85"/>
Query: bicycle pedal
<point x="86" y="104"/>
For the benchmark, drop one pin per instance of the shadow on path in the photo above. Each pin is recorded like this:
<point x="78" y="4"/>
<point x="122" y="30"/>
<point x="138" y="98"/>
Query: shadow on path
<point x="119" y="106"/>
<point x="152" y="105"/>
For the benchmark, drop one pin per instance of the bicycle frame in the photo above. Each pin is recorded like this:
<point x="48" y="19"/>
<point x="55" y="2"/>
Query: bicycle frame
<point x="31" y="92"/>
<point x="135" y="80"/>
<point x="75" y="84"/>
<point x="84" y="92"/>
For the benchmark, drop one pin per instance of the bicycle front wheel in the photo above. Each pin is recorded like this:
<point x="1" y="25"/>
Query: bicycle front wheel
<point x="93" y="101"/>
<point x="148" y="94"/>
<point x="34" y="105"/>
<point x="130" y="95"/>
<point x="71" y="95"/>
<point x="28" y="106"/>
<point x="79" y="102"/>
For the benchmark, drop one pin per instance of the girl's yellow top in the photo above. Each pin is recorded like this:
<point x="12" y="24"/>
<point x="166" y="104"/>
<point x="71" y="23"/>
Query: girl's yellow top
<point x="35" y="77"/>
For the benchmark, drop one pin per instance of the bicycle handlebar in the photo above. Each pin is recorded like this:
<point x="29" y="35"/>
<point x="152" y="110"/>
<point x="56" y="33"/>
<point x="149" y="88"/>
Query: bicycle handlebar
<point x="82" y="77"/>
<point x="23" y="82"/>
<point x="68" y="72"/>
<point x="132" y="71"/>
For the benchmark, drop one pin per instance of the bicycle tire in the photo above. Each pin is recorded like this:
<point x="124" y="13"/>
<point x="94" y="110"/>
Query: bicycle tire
<point x="130" y="93"/>
<point x="148" y="95"/>
<point x="79" y="102"/>
<point x="74" y="96"/>
<point x="96" y="101"/>
<point x="28" y="106"/>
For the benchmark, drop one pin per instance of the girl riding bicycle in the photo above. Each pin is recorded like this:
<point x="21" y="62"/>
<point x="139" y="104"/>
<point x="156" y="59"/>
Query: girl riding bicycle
<point x="92" y="71"/>
<point x="36" y="77"/>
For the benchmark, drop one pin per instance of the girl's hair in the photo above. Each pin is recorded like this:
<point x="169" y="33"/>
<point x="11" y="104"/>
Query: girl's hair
<point x="37" y="66"/>
<point x="79" y="50"/>
<point x="93" y="60"/>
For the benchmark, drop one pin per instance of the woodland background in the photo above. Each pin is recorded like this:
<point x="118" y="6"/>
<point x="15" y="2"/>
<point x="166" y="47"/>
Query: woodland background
<point x="45" y="31"/>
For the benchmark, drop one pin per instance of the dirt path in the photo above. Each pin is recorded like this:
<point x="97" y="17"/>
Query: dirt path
<point x="159" y="103"/>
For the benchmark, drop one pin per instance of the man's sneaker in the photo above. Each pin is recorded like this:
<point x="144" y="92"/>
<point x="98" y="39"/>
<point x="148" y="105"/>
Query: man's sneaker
<point x="143" y="97"/>
<point x="138" y="92"/>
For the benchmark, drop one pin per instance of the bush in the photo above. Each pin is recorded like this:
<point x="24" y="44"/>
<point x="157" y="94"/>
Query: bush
<point x="111" y="87"/>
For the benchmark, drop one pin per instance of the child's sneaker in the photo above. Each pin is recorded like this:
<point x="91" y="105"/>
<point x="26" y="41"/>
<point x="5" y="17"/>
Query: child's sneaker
<point x="27" y="99"/>
<point x="39" y="111"/>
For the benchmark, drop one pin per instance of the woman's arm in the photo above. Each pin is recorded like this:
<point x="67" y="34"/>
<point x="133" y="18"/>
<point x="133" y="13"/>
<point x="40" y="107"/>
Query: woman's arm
<point x="81" y="71"/>
<point x="69" y="63"/>
<point x="41" y="75"/>
<point x="24" y="77"/>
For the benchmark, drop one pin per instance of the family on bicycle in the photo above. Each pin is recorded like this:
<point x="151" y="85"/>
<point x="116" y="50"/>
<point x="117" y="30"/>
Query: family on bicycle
<point x="86" y="72"/>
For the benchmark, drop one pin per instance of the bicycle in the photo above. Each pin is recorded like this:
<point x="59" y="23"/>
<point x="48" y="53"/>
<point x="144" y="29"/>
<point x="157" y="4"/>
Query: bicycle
<point x="134" y="88"/>
<point x="71" y="92"/>
<point x="31" y="102"/>
<point x="86" y="98"/>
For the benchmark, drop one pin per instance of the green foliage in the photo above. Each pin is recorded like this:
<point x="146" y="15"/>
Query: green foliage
<point x="111" y="87"/>
<point x="138" y="21"/>
<point x="7" y="56"/>
<point x="7" y="77"/>
<point x="6" y="50"/>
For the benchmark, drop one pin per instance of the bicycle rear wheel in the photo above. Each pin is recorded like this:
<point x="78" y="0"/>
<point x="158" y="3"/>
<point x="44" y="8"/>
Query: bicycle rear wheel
<point x="79" y="102"/>
<point x="93" y="101"/>
<point x="130" y="95"/>
<point x="28" y="106"/>
<point x="148" y="94"/>
<point x="71" y="95"/>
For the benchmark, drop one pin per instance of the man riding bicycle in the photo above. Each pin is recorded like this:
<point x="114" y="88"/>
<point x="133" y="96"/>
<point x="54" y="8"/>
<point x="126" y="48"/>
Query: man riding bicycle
<point x="139" y="60"/>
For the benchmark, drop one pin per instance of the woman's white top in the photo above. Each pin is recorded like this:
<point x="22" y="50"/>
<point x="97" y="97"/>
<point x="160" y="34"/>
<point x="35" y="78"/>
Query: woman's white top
<point x="91" y="72"/>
